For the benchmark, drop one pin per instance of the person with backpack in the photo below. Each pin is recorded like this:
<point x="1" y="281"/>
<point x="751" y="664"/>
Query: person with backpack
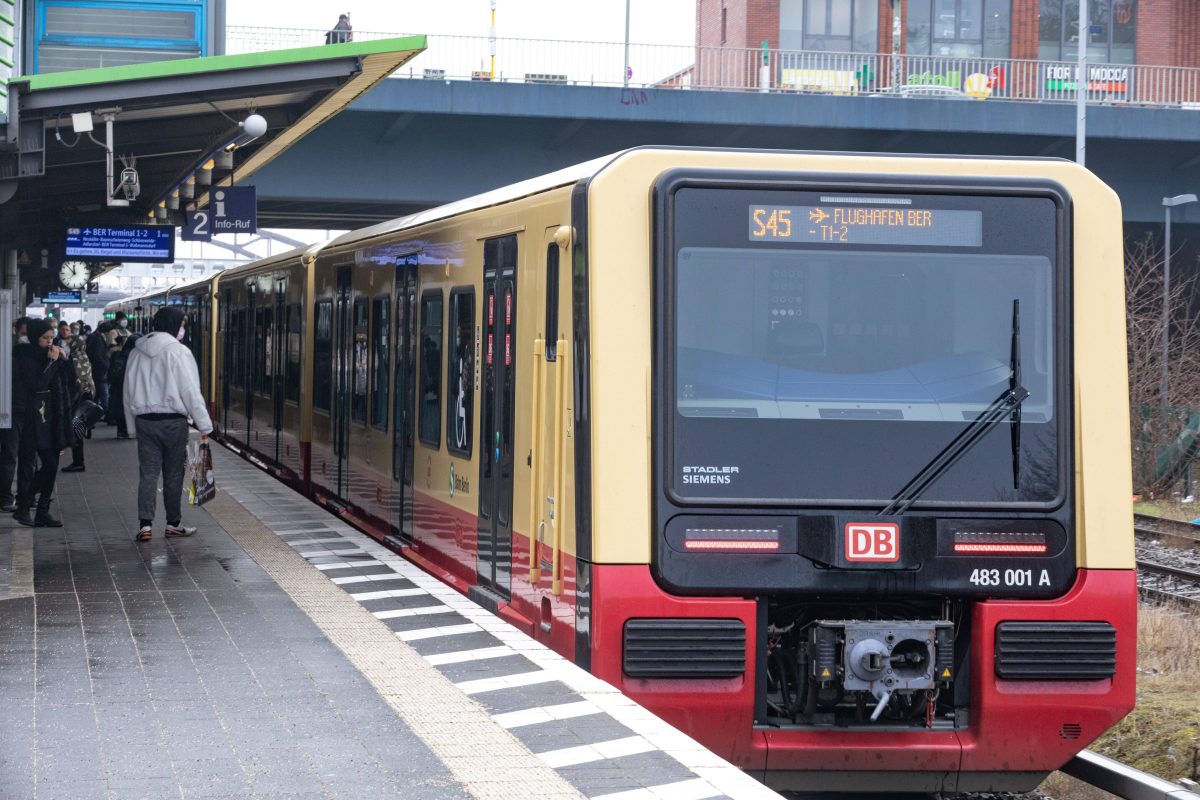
<point x="77" y="352"/>
<point x="97" y="353"/>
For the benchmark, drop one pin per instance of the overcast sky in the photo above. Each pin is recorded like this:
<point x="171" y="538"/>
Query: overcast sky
<point x="652" y="21"/>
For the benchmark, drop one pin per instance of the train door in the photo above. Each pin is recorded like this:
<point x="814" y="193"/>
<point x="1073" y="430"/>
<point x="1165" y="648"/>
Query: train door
<point x="277" y="359"/>
<point x="547" y="419"/>
<point x="496" y="428"/>
<point x="226" y="342"/>
<point x="404" y="395"/>
<point x="343" y="369"/>
<point x="250" y="375"/>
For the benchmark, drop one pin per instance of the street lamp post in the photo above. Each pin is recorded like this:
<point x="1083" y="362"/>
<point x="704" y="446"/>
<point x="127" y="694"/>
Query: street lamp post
<point x="626" y="76"/>
<point x="1168" y="204"/>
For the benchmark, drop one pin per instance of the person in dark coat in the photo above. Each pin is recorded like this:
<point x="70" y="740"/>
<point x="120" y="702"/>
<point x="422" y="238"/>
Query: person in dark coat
<point x="10" y="438"/>
<point x="44" y="392"/>
<point x="342" y="32"/>
<point x="116" y="377"/>
<point x="97" y="353"/>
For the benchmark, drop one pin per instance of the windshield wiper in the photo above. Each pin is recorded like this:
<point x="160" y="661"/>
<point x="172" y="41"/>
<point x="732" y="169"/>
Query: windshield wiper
<point x="1007" y="404"/>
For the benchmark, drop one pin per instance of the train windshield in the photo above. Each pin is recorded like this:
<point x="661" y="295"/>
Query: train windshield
<point x="825" y="349"/>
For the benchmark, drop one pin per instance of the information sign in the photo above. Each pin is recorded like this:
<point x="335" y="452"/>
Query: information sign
<point x="138" y="243"/>
<point x="72" y="298"/>
<point x="234" y="210"/>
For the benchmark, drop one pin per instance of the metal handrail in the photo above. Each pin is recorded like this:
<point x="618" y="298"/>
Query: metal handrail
<point x="451" y="57"/>
<point x="1124" y="781"/>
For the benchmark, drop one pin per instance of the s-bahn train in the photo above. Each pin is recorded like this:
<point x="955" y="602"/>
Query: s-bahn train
<point x="823" y="458"/>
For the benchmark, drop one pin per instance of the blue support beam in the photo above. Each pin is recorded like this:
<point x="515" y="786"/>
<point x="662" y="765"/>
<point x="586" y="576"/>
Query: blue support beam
<point x="409" y="144"/>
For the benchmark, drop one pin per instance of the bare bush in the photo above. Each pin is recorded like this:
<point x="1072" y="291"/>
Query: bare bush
<point x="1156" y="421"/>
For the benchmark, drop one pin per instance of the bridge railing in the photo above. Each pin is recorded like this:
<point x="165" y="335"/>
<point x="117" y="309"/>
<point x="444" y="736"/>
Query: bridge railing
<point x="753" y="70"/>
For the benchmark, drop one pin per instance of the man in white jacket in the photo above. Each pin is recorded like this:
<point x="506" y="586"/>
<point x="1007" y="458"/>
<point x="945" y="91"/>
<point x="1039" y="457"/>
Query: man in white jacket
<point x="162" y="389"/>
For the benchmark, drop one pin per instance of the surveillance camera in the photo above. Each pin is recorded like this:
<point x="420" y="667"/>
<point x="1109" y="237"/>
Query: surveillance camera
<point x="130" y="186"/>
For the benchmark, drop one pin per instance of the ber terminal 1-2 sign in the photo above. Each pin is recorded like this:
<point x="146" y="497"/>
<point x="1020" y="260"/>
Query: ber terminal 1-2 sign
<point x="142" y="243"/>
<point x="232" y="209"/>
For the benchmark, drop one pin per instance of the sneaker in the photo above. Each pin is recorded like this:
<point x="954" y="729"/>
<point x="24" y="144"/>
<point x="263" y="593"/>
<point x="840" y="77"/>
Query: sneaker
<point x="8" y="504"/>
<point x="178" y="531"/>
<point x="122" y="435"/>
<point x="44" y="519"/>
<point x="144" y="534"/>
<point x="74" y="468"/>
<point x="24" y="516"/>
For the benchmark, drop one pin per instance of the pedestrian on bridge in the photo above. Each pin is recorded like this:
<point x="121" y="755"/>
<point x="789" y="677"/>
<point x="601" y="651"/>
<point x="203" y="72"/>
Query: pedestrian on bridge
<point x="161" y="389"/>
<point x="342" y="32"/>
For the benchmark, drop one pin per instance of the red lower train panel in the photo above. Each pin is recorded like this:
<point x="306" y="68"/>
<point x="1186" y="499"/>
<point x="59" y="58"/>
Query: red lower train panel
<point x="1015" y="726"/>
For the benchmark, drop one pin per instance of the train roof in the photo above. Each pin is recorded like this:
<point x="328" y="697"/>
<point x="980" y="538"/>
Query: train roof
<point x="515" y="191"/>
<point x="294" y="253"/>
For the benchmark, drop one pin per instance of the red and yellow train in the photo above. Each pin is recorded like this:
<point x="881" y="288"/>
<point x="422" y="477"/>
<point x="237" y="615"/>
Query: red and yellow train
<point x="823" y="458"/>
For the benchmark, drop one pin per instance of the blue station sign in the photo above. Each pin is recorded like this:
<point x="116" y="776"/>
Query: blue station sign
<point x="63" y="298"/>
<point x="144" y="243"/>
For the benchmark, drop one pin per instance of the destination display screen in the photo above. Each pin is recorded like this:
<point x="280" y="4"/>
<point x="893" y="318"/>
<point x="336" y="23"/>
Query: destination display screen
<point x="866" y="224"/>
<point x="146" y="243"/>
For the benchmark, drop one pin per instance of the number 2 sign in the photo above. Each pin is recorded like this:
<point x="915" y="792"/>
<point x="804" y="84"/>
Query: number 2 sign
<point x="197" y="227"/>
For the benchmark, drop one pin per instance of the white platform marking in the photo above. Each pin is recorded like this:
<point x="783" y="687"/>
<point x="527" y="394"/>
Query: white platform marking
<point x="694" y="789"/>
<point x="463" y="656"/>
<point x="387" y="576"/>
<point x="433" y="633"/>
<point x="370" y="562"/>
<point x="601" y="751"/>
<point x="482" y="685"/>
<point x="536" y="716"/>
<point x="363" y="596"/>
<point x="394" y="613"/>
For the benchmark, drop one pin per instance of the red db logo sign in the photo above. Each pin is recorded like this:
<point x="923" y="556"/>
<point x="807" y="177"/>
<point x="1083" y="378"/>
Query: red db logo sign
<point x="872" y="541"/>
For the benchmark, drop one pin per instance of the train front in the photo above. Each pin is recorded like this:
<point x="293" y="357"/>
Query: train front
<point x="872" y="443"/>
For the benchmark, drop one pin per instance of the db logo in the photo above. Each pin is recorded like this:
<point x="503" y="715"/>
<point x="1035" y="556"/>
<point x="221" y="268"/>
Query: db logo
<point x="872" y="541"/>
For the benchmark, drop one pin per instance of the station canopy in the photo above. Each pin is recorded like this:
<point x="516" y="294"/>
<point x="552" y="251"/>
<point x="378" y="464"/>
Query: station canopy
<point x="169" y="118"/>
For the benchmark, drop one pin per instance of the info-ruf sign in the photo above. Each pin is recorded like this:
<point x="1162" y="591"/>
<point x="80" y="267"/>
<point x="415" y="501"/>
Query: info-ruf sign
<point x="232" y="209"/>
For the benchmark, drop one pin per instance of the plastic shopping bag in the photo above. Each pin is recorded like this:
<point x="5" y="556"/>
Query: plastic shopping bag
<point x="203" y="486"/>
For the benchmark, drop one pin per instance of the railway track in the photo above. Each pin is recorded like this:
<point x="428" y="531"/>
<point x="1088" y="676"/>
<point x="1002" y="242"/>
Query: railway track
<point x="1169" y="531"/>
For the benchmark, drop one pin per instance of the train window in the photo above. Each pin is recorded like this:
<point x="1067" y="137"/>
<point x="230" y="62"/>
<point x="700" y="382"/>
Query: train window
<point x="430" y="422"/>
<point x="552" y="302"/>
<point x="380" y="311"/>
<point x="360" y="375"/>
<point x="323" y="356"/>
<point x="864" y="352"/>
<point x="460" y="381"/>
<point x="266" y="366"/>
<point x="291" y="383"/>
<point x="237" y="347"/>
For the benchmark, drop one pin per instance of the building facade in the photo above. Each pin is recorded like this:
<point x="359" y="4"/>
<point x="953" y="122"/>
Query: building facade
<point x="1148" y="32"/>
<point x="59" y="35"/>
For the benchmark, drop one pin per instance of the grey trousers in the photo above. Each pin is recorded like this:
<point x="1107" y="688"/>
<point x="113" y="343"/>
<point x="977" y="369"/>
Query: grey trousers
<point x="162" y="449"/>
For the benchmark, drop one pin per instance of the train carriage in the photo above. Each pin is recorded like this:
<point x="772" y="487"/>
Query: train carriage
<point x="818" y="456"/>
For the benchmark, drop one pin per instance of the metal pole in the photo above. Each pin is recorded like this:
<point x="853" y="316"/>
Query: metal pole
<point x="626" y="70"/>
<point x="492" y="43"/>
<point x="1166" y="309"/>
<point x="1081" y="87"/>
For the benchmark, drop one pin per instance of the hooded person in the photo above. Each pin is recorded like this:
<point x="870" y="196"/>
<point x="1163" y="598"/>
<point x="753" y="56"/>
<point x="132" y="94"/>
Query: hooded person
<point x="44" y="392"/>
<point x="161" y="390"/>
<point x="116" y="376"/>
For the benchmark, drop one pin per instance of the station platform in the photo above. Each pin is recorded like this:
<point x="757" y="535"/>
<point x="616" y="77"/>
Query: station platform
<point x="279" y="653"/>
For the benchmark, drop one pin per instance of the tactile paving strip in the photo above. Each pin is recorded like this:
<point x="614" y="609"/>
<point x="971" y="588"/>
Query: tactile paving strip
<point x="582" y="729"/>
